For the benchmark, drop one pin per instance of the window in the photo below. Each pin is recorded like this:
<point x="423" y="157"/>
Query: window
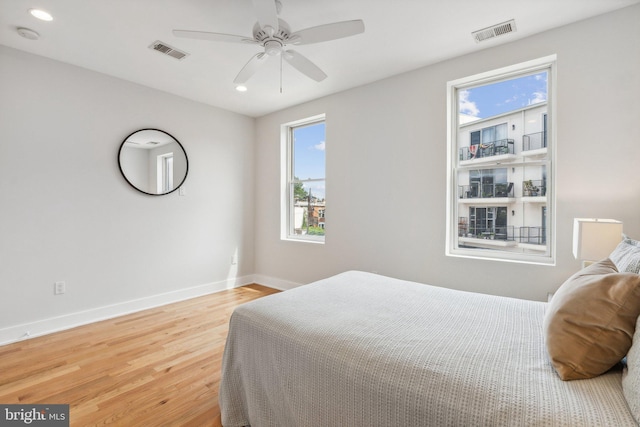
<point x="501" y="164"/>
<point x="165" y="173"/>
<point x="489" y="223"/>
<point x="303" y="194"/>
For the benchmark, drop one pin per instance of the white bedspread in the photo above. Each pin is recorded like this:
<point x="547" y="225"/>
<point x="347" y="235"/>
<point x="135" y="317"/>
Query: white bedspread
<point x="359" y="349"/>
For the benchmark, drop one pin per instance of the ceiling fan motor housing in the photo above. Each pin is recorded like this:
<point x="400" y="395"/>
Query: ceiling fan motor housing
<point x="264" y="34"/>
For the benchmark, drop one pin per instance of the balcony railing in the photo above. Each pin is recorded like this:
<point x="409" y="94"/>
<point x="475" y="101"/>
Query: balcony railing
<point x="534" y="141"/>
<point x="534" y="188"/>
<point x="488" y="149"/>
<point x="533" y="235"/>
<point x="494" y="233"/>
<point x="463" y="226"/>
<point x="529" y="235"/>
<point x="476" y="191"/>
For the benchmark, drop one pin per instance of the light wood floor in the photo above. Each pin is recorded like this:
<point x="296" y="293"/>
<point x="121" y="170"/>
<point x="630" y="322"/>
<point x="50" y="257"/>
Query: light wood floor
<point x="158" y="367"/>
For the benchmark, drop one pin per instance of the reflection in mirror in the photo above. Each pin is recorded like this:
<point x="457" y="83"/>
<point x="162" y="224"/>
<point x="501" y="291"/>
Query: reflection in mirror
<point x="153" y="162"/>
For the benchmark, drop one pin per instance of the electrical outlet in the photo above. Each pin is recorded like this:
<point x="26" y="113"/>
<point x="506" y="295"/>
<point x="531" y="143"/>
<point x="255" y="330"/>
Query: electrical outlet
<point x="59" y="288"/>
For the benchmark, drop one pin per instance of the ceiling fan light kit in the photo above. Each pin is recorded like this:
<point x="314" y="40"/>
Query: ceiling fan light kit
<point x="274" y="35"/>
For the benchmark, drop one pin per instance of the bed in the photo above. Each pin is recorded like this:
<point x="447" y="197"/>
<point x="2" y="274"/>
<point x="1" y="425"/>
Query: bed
<point x="360" y="349"/>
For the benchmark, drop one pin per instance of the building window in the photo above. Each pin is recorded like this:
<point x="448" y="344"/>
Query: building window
<point x="501" y="163"/>
<point x="303" y="194"/>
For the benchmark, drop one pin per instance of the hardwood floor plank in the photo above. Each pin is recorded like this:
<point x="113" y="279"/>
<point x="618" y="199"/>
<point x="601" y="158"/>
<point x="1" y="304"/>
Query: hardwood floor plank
<point x="155" y="367"/>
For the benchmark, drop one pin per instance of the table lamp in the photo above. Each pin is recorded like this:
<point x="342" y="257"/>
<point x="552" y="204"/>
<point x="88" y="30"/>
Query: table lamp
<point x="594" y="239"/>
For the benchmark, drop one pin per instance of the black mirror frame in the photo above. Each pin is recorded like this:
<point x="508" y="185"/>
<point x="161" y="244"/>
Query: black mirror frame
<point x="186" y="158"/>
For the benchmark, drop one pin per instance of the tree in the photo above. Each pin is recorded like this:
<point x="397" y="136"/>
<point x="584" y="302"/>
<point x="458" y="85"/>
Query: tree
<point x="299" y="193"/>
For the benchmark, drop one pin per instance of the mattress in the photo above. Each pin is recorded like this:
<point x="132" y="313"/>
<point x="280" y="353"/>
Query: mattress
<point x="360" y="349"/>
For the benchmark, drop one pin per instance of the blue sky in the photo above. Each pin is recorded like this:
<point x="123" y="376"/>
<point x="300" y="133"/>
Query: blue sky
<point x="501" y="97"/>
<point x="309" y="158"/>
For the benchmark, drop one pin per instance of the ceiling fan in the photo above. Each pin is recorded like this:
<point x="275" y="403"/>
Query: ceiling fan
<point x="274" y="35"/>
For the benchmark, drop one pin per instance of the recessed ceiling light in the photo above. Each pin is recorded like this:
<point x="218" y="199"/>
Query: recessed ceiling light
<point x="41" y="14"/>
<point x="241" y="88"/>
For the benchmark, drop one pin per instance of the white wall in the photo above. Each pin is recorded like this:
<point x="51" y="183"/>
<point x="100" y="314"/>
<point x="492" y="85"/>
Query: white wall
<point x="386" y="165"/>
<point x="67" y="214"/>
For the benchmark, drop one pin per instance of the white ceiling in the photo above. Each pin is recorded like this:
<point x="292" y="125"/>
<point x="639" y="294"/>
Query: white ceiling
<point x="112" y="37"/>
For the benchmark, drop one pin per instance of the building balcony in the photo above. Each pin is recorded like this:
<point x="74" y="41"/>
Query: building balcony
<point x="507" y="235"/>
<point x="534" y="145"/>
<point x="532" y="235"/>
<point x="534" y="188"/>
<point x="486" y="191"/>
<point x="502" y="147"/>
<point x="534" y="141"/>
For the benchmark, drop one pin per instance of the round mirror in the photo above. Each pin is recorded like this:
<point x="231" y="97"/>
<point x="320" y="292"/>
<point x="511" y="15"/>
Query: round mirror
<point x="153" y="162"/>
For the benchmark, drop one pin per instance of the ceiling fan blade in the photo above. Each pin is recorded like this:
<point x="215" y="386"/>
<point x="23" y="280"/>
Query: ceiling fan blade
<point x="250" y="68"/>
<point x="216" y="37"/>
<point x="267" y="13"/>
<point x="326" y="32"/>
<point x="302" y="64"/>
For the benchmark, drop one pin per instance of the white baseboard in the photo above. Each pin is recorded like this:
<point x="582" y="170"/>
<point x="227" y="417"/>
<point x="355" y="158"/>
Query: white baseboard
<point x="274" y="283"/>
<point x="72" y="320"/>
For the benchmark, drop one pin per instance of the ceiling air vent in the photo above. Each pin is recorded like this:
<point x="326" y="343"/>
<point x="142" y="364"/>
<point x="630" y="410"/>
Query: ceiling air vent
<point x="167" y="50"/>
<point x="494" y="31"/>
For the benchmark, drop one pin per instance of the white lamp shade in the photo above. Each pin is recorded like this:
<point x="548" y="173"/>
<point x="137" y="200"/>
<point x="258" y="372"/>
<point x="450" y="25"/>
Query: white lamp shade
<point x="594" y="239"/>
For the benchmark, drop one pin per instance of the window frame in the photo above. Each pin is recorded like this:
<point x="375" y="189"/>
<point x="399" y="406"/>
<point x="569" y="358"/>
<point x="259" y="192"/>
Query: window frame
<point x="165" y="172"/>
<point x="287" y="180"/>
<point x="452" y="248"/>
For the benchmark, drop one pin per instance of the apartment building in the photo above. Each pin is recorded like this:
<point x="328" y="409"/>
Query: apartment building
<point x="502" y="181"/>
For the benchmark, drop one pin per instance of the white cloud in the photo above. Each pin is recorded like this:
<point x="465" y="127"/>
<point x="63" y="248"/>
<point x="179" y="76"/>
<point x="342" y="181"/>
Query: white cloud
<point x="538" y="97"/>
<point x="320" y="146"/>
<point x="514" y="98"/>
<point x="465" y="106"/>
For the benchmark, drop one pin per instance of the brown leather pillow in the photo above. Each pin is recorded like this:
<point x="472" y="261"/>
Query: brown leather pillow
<point x="590" y="320"/>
